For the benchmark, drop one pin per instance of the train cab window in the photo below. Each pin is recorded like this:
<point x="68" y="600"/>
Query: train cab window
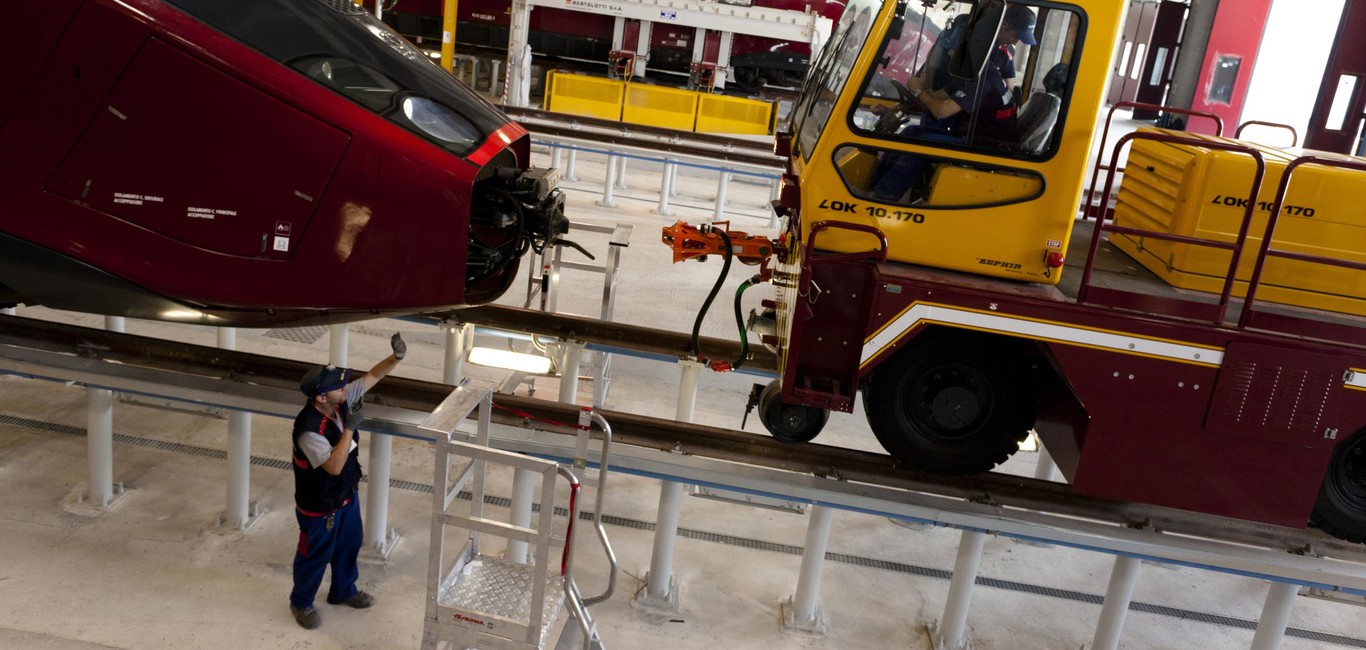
<point x="986" y="78"/>
<point x="831" y="71"/>
<point x="359" y="83"/>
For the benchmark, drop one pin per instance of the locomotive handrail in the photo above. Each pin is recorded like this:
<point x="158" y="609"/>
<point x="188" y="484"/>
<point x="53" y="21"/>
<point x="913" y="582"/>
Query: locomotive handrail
<point x="821" y="226"/>
<point x="1294" y="133"/>
<point x="1236" y="247"/>
<point x="1105" y="135"/>
<point x="1277" y="205"/>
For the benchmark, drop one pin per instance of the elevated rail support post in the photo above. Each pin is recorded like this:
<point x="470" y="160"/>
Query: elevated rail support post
<point x="621" y="173"/>
<point x="338" y="340"/>
<point x="951" y="634"/>
<point x="517" y="87"/>
<point x="801" y="611"/>
<point x="556" y="154"/>
<point x="571" y="166"/>
<point x="1118" y="595"/>
<point x="609" y="185"/>
<point x="457" y="344"/>
<point x="1280" y="601"/>
<point x="99" y="438"/>
<point x="661" y="586"/>
<point x="722" y="185"/>
<point x="666" y="189"/>
<point x="239" y="515"/>
<point x="523" y="492"/>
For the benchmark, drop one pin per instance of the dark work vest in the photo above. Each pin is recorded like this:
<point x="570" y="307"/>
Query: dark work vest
<point x="316" y="491"/>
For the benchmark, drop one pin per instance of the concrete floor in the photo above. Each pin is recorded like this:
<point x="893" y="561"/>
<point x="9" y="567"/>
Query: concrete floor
<point x="153" y="571"/>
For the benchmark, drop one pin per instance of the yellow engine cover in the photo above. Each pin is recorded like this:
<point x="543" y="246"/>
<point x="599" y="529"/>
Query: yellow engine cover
<point x="1200" y="192"/>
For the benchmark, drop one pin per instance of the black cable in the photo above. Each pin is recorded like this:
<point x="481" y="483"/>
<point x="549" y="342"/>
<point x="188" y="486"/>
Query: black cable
<point x="740" y="322"/>
<point x="715" y="289"/>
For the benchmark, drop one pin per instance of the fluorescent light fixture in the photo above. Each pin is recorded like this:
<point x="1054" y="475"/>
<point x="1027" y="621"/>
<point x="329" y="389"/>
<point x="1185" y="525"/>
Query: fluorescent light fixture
<point x="533" y="364"/>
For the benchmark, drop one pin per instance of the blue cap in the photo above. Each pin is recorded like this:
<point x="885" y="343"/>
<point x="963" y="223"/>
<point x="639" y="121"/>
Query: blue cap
<point x="1021" y="21"/>
<point x="324" y="379"/>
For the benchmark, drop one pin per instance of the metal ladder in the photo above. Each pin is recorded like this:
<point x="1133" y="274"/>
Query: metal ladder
<point x="479" y="600"/>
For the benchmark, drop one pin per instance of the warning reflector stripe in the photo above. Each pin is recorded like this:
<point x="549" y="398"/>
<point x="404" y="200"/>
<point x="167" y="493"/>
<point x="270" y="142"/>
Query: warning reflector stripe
<point x="1042" y="330"/>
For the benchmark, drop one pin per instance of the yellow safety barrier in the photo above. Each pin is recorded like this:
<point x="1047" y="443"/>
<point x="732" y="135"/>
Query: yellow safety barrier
<point x="584" y="95"/>
<point x="722" y="114"/>
<point x="670" y="108"/>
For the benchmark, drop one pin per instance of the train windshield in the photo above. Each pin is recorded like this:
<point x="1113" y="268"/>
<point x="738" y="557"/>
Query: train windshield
<point x="832" y="69"/>
<point x="338" y="45"/>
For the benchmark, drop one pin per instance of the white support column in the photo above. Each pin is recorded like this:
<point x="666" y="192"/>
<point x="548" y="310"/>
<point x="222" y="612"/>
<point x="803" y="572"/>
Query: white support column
<point x="239" y="515"/>
<point x="453" y="369"/>
<point x="517" y="88"/>
<point x="569" y="372"/>
<point x="571" y="168"/>
<point x="618" y="33"/>
<point x="99" y="439"/>
<point x="1118" y="595"/>
<point x="609" y="185"/>
<point x="380" y="540"/>
<point x="523" y="491"/>
<point x="722" y="184"/>
<point x="661" y="586"/>
<point x="801" y="611"/>
<point x="621" y="173"/>
<point x="1280" y="601"/>
<point x="556" y="155"/>
<point x="643" y="46"/>
<point x="951" y="634"/>
<point x="723" y="59"/>
<point x="338" y="340"/>
<point x="673" y="181"/>
<point x="665" y="189"/>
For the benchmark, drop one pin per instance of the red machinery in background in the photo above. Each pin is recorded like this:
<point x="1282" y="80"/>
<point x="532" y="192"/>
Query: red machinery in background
<point x="585" y="36"/>
<point x="252" y="163"/>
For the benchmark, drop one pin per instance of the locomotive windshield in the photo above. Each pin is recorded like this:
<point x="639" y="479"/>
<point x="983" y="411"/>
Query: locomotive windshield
<point x="832" y="69"/>
<point x="379" y="70"/>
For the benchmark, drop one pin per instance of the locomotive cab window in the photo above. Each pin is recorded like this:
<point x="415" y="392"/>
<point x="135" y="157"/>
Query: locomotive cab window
<point x="986" y="78"/>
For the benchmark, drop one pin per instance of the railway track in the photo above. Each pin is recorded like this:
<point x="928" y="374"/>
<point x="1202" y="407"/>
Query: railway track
<point x="82" y="350"/>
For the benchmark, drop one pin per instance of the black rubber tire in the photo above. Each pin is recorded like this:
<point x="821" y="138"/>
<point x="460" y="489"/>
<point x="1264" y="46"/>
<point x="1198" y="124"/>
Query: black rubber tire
<point x="956" y="404"/>
<point x="789" y="422"/>
<point x="1341" y="507"/>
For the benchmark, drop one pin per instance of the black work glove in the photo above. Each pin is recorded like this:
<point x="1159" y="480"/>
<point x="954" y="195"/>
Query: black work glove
<point x="355" y="414"/>
<point x="400" y="348"/>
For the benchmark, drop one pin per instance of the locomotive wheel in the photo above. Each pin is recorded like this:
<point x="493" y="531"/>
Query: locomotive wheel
<point x="789" y="422"/>
<point x="951" y="405"/>
<point x="750" y="79"/>
<point x="1341" y="507"/>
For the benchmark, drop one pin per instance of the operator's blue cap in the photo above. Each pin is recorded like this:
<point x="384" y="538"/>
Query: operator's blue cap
<point x="323" y="379"/>
<point x="1021" y="20"/>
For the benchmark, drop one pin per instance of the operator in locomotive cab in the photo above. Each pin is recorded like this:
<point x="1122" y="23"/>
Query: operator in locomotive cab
<point x="960" y="109"/>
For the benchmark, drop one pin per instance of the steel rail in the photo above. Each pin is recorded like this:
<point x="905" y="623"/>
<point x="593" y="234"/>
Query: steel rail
<point x="261" y="383"/>
<point x="607" y="334"/>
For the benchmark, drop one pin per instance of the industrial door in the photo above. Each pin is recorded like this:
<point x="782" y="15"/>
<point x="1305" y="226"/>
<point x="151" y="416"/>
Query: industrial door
<point x="1157" y="70"/>
<point x="1336" y="124"/>
<point x="1133" y="51"/>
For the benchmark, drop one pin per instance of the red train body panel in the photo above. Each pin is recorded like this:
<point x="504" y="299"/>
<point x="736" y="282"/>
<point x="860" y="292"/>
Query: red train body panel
<point x="178" y="160"/>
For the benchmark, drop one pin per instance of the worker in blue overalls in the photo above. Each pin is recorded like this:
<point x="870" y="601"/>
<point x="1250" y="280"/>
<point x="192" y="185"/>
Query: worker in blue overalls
<point x="327" y="470"/>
